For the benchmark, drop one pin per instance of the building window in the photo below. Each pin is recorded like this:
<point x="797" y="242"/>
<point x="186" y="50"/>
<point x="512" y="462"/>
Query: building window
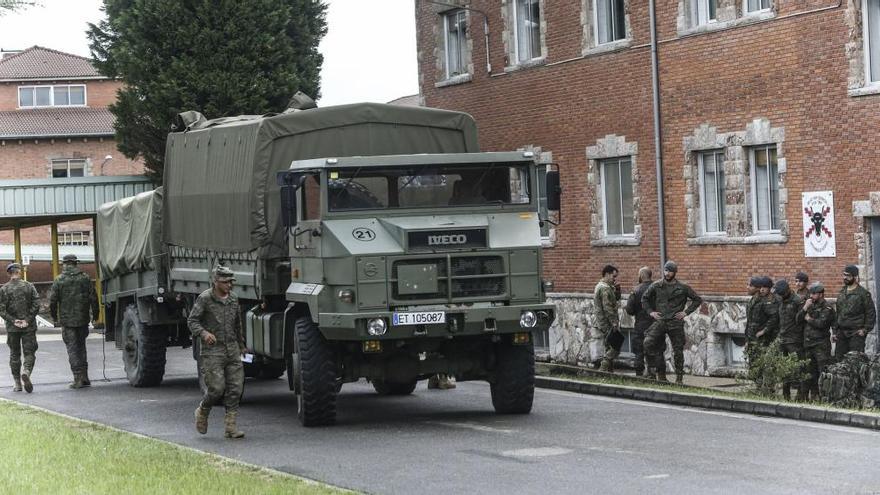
<point x="618" y="196"/>
<point x="455" y="29"/>
<point x="765" y="184"/>
<point x="703" y="12"/>
<point x="712" y="191"/>
<point x="68" y="168"/>
<point x="757" y="5"/>
<point x="73" y="95"/>
<point x="75" y="238"/>
<point x="734" y="348"/>
<point x="527" y="14"/>
<point x="871" y="10"/>
<point x="610" y="20"/>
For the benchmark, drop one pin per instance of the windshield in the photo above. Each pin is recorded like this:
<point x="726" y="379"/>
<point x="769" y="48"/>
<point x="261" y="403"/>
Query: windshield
<point x="428" y="186"/>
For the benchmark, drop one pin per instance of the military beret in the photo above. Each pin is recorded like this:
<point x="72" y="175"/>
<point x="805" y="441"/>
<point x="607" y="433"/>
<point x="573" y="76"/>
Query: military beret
<point x="817" y="288"/>
<point x="671" y="266"/>
<point x="767" y="282"/>
<point x="781" y="287"/>
<point x="851" y="270"/>
<point x="12" y="266"/>
<point x="70" y="258"/>
<point x="224" y="273"/>
<point x="801" y="277"/>
<point x="755" y="281"/>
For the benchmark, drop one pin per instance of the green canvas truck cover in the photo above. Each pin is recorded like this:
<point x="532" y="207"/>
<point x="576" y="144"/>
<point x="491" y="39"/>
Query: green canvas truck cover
<point x="130" y="234"/>
<point x="220" y="184"/>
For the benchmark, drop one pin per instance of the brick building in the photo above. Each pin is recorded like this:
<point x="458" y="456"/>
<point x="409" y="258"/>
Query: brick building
<point x="54" y="124"/>
<point x="760" y="102"/>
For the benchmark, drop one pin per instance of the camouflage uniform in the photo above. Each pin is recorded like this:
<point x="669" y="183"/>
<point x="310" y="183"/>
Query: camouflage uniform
<point x="73" y="295"/>
<point x="817" y="343"/>
<point x="221" y="364"/>
<point x="19" y="301"/>
<point x="855" y="311"/>
<point x="762" y="313"/>
<point x="791" y="335"/>
<point x="643" y="321"/>
<point x="606" y="319"/>
<point x="668" y="298"/>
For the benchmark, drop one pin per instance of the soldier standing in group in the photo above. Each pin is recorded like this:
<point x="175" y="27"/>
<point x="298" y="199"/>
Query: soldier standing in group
<point x="762" y="317"/>
<point x="73" y="295"/>
<point x="19" y="305"/>
<point x="791" y="332"/>
<point x="665" y="301"/>
<point x="855" y="314"/>
<point x="643" y="319"/>
<point x="801" y="285"/>
<point x="607" y="320"/>
<point x="818" y="317"/>
<point x="216" y="320"/>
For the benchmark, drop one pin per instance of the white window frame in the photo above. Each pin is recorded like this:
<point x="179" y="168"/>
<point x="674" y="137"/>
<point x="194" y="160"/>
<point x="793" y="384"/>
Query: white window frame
<point x="67" y="162"/>
<point x="516" y="33"/>
<point x="753" y="179"/>
<point x="596" y="23"/>
<point x="462" y="34"/>
<point x="867" y="45"/>
<point x="700" y="12"/>
<point x="602" y="184"/>
<point x="703" y="192"/>
<point x="75" y="238"/>
<point x="762" y="9"/>
<point x="33" y="88"/>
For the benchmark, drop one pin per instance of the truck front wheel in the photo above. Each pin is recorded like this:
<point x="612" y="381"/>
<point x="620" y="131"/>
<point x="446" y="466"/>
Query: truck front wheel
<point x="514" y="387"/>
<point x="315" y="373"/>
<point x="143" y="350"/>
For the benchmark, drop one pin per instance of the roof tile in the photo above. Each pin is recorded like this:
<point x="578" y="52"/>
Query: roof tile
<point x="43" y="63"/>
<point x="56" y="122"/>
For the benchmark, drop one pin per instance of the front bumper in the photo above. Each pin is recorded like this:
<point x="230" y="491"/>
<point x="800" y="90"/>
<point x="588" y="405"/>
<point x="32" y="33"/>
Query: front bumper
<point x="469" y="322"/>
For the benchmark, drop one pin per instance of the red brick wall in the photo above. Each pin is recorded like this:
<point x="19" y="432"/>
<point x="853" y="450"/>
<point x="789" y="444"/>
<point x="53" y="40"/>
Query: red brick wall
<point x="790" y="70"/>
<point x="99" y="94"/>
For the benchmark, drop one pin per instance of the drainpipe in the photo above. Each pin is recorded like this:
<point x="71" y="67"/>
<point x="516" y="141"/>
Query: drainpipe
<point x="658" y="144"/>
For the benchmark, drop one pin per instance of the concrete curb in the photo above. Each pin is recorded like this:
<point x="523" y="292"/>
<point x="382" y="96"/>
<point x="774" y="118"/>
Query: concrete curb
<point x="41" y="330"/>
<point x="730" y="404"/>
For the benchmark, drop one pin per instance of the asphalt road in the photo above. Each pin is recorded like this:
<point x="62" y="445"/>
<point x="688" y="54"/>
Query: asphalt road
<point x="452" y="442"/>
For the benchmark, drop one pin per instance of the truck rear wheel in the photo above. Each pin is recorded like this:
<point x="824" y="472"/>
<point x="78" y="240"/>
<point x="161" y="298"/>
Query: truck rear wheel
<point x="391" y="388"/>
<point x="315" y="373"/>
<point x="513" y="390"/>
<point x="143" y="350"/>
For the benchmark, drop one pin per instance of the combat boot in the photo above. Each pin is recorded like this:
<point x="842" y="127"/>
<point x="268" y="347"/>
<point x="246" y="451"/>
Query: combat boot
<point x="640" y="372"/>
<point x="17" y="386"/>
<point x="77" y="380"/>
<point x="434" y="382"/>
<point x="85" y="378"/>
<point x="26" y="380"/>
<point x="786" y="391"/>
<point x="606" y="366"/>
<point x="232" y="430"/>
<point x="202" y="420"/>
<point x="679" y="378"/>
<point x="661" y="375"/>
<point x="445" y="382"/>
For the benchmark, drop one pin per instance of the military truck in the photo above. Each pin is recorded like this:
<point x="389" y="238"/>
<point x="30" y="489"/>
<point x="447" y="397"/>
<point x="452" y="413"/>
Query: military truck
<point x="368" y="241"/>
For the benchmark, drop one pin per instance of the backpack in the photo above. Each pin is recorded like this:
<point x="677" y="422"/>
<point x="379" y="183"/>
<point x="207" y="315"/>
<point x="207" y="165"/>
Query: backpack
<point x="871" y="388"/>
<point x="841" y="383"/>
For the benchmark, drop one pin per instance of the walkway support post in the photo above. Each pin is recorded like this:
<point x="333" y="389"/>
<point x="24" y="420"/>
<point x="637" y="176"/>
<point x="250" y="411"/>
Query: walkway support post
<point x="56" y="270"/>
<point x="98" y="273"/>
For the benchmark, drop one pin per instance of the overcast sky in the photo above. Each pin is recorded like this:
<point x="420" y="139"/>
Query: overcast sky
<point x="369" y="51"/>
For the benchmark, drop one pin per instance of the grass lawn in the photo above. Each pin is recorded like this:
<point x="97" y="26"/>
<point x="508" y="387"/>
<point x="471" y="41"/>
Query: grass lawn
<point x="46" y="453"/>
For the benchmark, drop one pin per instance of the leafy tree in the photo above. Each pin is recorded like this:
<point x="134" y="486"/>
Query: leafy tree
<point x="219" y="57"/>
<point x="7" y="6"/>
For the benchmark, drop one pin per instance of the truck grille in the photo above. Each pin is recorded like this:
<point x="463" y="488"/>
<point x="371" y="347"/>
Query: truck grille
<point x="448" y="278"/>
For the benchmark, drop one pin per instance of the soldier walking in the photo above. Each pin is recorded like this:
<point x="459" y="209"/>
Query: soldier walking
<point x="801" y="285"/>
<point x="818" y="317"/>
<point x="216" y="319"/>
<point x="791" y="332"/>
<point x="643" y="319"/>
<point x="73" y="295"/>
<point x="762" y="317"/>
<point x="855" y="315"/>
<point x="19" y="305"/>
<point x="665" y="301"/>
<point x="607" y="320"/>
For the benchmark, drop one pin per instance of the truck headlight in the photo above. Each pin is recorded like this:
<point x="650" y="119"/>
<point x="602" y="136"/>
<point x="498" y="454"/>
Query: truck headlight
<point x="377" y="326"/>
<point x="528" y="319"/>
<point x="346" y="295"/>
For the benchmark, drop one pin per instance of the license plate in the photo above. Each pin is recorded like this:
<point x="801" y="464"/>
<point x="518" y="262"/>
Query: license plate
<point x="420" y="318"/>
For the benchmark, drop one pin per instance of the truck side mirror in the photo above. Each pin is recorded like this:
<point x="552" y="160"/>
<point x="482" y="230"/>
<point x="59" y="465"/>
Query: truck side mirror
<point x="554" y="191"/>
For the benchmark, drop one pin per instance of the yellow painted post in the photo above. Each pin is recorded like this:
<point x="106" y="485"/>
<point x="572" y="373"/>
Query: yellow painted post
<point x="98" y="273"/>
<point x="55" y="268"/>
<point x="17" y="244"/>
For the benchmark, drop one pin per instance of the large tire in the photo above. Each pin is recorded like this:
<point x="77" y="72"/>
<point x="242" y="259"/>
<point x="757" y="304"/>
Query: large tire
<point x="390" y="388"/>
<point x="315" y="373"/>
<point x="513" y="390"/>
<point x="143" y="350"/>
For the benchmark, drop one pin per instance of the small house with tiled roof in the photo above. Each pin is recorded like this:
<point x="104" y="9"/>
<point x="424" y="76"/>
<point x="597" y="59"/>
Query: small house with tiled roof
<point x="55" y="125"/>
